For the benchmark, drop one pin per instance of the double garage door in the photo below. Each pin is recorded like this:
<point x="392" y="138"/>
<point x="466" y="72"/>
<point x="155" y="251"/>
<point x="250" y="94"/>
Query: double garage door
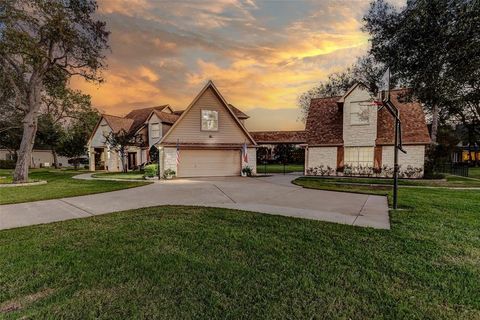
<point x="209" y="163"/>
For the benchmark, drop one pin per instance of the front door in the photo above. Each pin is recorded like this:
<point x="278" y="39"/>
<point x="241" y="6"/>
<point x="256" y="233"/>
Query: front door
<point x="132" y="160"/>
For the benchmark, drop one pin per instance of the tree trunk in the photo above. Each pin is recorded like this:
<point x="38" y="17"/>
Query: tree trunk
<point x="29" y="131"/>
<point x="24" y="154"/>
<point x="55" y="158"/>
<point x="435" y="116"/>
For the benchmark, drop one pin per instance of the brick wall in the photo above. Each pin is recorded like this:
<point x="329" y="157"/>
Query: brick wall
<point x="252" y="160"/>
<point x="326" y="156"/>
<point x="170" y="159"/>
<point x="415" y="156"/>
<point x="359" y="135"/>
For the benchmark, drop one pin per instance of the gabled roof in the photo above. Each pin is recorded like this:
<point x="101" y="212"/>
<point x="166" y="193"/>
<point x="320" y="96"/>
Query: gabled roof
<point x="266" y="137"/>
<point x="139" y="116"/>
<point x="118" y="123"/>
<point x="211" y="85"/>
<point x="239" y="113"/>
<point x="164" y="117"/>
<point x="414" y="126"/>
<point x="325" y="122"/>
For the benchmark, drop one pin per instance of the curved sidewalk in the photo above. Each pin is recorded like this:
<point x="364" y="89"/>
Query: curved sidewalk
<point x="272" y="195"/>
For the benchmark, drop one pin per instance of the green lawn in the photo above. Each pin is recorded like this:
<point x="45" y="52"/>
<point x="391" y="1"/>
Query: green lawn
<point x="278" y="168"/>
<point x="134" y="175"/>
<point x="60" y="184"/>
<point x="377" y="186"/>
<point x="474" y="172"/>
<point x="186" y="262"/>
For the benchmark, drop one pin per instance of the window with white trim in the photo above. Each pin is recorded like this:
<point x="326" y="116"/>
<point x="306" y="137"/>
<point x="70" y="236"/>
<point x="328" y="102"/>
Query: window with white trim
<point x="359" y="156"/>
<point x="209" y="120"/>
<point x="155" y="130"/>
<point x="359" y="113"/>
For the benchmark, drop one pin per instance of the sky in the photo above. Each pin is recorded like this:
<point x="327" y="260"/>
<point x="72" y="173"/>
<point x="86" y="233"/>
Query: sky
<point x="260" y="54"/>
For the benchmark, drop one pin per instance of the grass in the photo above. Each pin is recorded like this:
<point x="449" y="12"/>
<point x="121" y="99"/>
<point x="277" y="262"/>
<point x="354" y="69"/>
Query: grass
<point x="380" y="186"/>
<point x="278" y="168"/>
<point x="187" y="262"/>
<point x="133" y="175"/>
<point x="474" y="172"/>
<point x="59" y="185"/>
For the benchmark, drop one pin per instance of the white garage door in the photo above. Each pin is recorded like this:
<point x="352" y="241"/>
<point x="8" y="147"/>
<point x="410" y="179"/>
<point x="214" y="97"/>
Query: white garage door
<point x="208" y="163"/>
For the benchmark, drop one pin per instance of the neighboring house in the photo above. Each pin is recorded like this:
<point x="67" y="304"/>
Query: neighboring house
<point x="208" y="137"/>
<point x="269" y="139"/>
<point x="349" y="132"/>
<point x="40" y="158"/>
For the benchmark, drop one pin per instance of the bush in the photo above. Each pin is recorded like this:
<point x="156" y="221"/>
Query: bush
<point x="151" y="170"/>
<point x="7" y="164"/>
<point x="169" y="173"/>
<point x="247" y="170"/>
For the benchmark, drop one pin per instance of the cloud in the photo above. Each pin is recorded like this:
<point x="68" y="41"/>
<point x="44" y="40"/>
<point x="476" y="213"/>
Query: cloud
<point x="261" y="55"/>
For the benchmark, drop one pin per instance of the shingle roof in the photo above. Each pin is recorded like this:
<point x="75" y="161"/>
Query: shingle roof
<point x="414" y="127"/>
<point x="118" y="123"/>
<point x="169" y="118"/>
<point x="139" y="116"/>
<point x="295" y="137"/>
<point x="239" y="113"/>
<point x="325" y="122"/>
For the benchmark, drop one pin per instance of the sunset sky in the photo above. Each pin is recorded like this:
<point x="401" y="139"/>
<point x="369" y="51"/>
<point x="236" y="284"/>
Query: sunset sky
<point x="260" y="54"/>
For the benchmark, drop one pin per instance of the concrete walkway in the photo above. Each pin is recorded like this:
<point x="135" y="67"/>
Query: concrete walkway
<point x="271" y="195"/>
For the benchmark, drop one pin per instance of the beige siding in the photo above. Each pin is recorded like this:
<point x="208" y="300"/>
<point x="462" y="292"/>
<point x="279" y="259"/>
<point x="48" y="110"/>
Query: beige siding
<point x="205" y="163"/>
<point x="318" y="156"/>
<point x="154" y="119"/>
<point x="359" y="134"/>
<point x="98" y="139"/>
<point x="188" y="130"/>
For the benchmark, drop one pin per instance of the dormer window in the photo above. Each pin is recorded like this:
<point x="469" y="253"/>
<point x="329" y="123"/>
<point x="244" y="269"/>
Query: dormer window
<point x="209" y="120"/>
<point x="359" y="113"/>
<point x="155" y="130"/>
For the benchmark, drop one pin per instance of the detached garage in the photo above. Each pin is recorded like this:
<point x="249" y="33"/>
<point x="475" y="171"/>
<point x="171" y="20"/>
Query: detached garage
<point x="207" y="163"/>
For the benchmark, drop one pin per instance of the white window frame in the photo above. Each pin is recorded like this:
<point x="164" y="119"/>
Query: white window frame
<point x="209" y="124"/>
<point x="359" y="113"/>
<point x="359" y="156"/>
<point x="157" y="130"/>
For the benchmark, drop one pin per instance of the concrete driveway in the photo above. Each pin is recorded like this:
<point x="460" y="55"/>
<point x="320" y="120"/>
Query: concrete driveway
<point x="271" y="195"/>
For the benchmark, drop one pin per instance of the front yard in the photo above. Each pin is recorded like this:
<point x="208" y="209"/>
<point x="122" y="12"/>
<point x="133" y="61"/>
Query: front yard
<point x="189" y="262"/>
<point x="59" y="185"/>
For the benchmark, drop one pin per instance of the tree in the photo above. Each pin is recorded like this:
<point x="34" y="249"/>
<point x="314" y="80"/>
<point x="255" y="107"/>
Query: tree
<point x="43" y="43"/>
<point x="120" y="141"/>
<point x="283" y="152"/>
<point x="366" y="70"/>
<point x="74" y="141"/>
<point x="431" y="45"/>
<point x="49" y="135"/>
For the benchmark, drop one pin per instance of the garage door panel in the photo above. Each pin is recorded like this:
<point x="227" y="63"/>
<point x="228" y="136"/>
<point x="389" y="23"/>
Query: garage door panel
<point x="208" y="163"/>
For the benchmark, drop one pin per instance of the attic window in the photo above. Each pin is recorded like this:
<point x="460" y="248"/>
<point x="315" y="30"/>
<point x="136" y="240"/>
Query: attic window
<point x="209" y="120"/>
<point x="155" y="131"/>
<point x="359" y="113"/>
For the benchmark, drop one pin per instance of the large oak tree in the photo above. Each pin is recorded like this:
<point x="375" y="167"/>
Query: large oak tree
<point x="44" y="43"/>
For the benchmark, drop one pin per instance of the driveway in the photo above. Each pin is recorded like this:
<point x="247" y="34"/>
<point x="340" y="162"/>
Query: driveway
<point x="272" y="195"/>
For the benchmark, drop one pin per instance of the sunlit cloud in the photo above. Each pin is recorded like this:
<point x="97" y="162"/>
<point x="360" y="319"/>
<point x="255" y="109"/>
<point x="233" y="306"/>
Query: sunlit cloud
<point x="261" y="54"/>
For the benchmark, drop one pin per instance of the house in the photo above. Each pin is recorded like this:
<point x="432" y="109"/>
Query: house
<point x="205" y="139"/>
<point x="350" y="133"/>
<point x="40" y="158"/>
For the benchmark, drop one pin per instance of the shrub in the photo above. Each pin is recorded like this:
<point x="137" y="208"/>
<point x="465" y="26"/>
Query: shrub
<point x="7" y="164"/>
<point x="169" y="173"/>
<point x="151" y="170"/>
<point x="247" y="170"/>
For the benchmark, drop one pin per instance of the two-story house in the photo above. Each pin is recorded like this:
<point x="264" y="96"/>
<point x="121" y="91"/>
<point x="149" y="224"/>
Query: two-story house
<point x="208" y="138"/>
<point x="351" y="132"/>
